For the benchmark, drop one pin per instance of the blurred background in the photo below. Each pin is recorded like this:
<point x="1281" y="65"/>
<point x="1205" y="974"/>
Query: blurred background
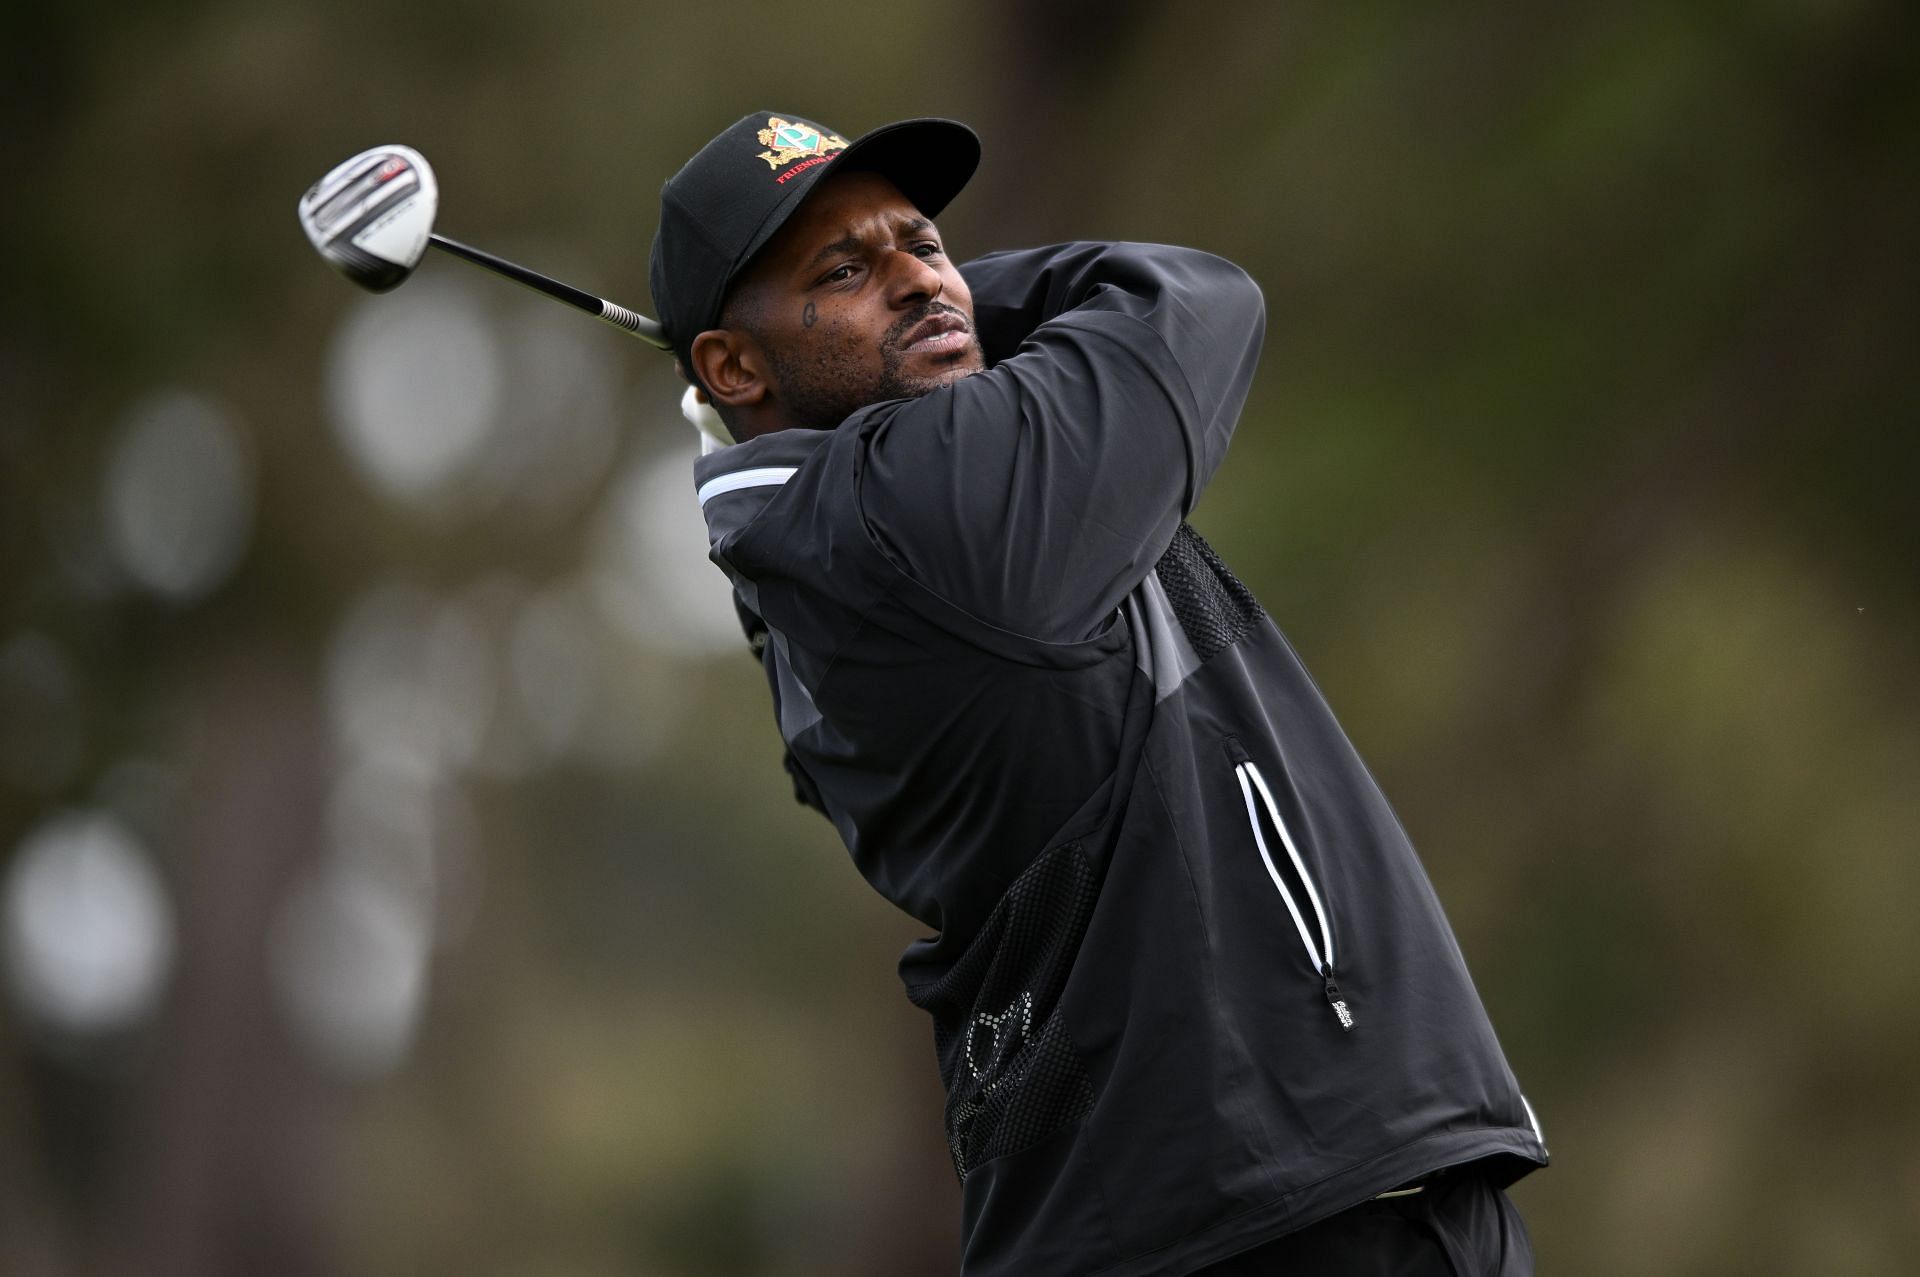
<point x="396" y="871"/>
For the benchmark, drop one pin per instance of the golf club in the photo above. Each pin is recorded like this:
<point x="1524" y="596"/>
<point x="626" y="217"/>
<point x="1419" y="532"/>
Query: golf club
<point x="372" y="219"/>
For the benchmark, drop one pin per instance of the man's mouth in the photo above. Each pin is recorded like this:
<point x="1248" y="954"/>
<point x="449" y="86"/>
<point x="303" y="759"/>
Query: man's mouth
<point x="938" y="334"/>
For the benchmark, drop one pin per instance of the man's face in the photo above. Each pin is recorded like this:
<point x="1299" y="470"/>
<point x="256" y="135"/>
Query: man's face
<point x="855" y="301"/>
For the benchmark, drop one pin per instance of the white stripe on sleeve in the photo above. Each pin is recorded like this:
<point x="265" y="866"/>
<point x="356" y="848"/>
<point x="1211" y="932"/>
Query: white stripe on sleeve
<point x="764" y="477"/>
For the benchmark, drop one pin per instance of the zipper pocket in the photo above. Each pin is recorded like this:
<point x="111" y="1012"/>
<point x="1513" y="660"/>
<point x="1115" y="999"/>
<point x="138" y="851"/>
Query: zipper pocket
<point x="1320" y="956"/>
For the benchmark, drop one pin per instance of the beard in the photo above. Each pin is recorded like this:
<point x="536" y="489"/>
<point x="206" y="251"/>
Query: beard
<point x="822" y="388"/>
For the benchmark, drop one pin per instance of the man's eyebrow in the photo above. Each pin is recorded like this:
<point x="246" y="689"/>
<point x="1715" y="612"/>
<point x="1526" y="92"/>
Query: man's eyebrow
<point x="849" y="242"/>
<point x="845" y="244"/>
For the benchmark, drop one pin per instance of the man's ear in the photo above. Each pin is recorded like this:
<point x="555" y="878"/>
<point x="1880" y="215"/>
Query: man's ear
<point x="731" y="366"/>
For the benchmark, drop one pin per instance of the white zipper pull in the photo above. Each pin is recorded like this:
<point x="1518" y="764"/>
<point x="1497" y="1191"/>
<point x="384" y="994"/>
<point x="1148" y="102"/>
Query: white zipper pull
<point x="1337" y="1001"/>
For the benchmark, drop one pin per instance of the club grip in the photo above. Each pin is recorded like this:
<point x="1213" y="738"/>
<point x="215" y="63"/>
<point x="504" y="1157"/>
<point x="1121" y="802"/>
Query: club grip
<point x="639" y="325"/>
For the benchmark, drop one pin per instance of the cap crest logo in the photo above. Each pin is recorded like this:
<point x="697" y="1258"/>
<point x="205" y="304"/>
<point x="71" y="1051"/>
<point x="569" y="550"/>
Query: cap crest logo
<point x="790" y="140"/>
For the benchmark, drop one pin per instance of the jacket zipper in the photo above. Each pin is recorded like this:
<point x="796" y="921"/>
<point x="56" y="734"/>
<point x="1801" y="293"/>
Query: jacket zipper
<point x="1320" y="957"/>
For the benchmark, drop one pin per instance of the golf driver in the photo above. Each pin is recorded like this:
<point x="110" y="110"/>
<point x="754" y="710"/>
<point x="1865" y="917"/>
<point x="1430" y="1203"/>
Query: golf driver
<point x="372" y="218"/>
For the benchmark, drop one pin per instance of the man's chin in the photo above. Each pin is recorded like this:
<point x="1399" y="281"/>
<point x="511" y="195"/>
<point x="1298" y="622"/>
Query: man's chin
<point x="909" y="376"/>
<point x="945" y="370"/>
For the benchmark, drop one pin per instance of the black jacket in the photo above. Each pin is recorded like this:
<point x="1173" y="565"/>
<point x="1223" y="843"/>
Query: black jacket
<point x="1190" y="986"/>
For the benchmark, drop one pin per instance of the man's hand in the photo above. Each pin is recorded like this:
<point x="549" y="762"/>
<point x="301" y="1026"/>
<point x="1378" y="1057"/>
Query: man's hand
<point x="695" y="408"/>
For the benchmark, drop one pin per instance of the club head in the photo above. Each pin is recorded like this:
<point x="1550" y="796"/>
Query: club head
<point x="371" y="216"/>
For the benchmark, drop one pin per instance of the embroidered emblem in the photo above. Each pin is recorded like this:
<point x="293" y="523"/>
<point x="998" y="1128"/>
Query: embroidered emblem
<point x="790" y="140"/>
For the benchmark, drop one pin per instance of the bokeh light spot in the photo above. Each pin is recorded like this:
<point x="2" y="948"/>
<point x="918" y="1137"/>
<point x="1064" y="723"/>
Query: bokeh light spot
<point x="89" y="929"/>
<point x="651" y="573"/>
<point x="350" y="965"/>
<point x="410" y="681"/>
<point x="179" y="496"/>
<point x="412" y="387"/>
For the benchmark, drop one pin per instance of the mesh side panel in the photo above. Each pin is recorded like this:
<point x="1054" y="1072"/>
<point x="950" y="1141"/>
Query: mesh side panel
<point x="1011" y="1073"/>
<point x="1210" y="603"/>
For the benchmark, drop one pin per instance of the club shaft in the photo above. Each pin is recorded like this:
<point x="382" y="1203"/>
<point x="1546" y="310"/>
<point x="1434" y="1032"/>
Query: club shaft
<point x="619" y="316"/>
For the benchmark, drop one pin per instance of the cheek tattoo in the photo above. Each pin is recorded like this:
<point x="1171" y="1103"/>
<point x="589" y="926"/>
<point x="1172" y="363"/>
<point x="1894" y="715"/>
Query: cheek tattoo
<point x="808" y="315"/>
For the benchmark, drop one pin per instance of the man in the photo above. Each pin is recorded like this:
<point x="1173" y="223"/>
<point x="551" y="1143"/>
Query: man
<point x="1194" y="1002"/>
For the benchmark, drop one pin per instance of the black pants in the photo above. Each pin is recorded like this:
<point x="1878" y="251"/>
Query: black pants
<point x="1457" y="1226"/>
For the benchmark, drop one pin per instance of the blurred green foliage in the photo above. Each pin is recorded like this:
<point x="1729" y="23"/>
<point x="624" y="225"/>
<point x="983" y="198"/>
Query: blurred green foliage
<point x="1579" y="469"/>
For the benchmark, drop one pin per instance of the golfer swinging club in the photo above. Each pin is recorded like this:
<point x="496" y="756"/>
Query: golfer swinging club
<point x="1196" y="1007"/>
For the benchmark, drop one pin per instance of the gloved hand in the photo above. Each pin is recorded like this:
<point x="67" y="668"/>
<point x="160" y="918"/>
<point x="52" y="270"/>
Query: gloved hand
<point x="695" y="408"/>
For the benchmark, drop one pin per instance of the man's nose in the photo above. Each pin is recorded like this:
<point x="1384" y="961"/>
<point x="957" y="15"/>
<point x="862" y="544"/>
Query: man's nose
<point x="914" y="278"/>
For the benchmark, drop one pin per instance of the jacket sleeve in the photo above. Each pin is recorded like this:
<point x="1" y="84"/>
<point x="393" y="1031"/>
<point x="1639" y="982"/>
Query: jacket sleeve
<point x="1037" y="494"/>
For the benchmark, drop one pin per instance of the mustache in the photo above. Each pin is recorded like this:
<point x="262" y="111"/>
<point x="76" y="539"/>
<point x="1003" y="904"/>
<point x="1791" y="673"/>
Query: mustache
<point x="898" y="332"/>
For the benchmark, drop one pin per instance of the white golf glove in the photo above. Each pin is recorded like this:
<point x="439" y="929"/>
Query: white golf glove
<point x="713" y="431"/>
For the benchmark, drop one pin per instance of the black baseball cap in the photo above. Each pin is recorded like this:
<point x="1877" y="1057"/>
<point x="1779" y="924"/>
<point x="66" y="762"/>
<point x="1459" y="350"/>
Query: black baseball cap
<point x="730" y="199"/>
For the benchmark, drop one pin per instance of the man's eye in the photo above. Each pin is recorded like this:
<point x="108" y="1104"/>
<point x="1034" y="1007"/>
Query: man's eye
<point x="839" y="274"/>
<point x="926" y="248"/>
